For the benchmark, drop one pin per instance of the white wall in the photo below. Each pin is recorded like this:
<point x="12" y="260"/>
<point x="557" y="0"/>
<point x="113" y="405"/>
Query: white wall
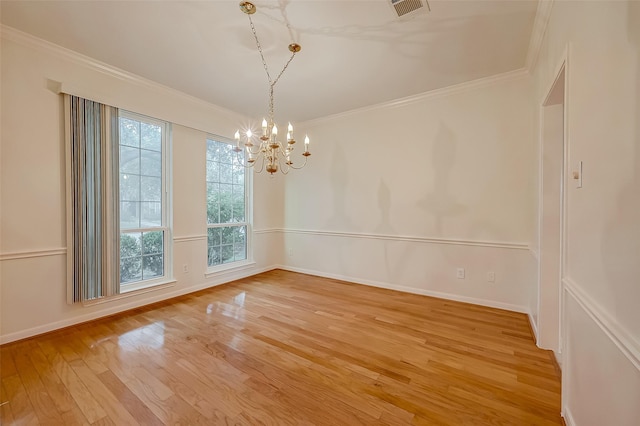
<point x="399" y="195"/>
<point x="601" y="335"/>
<point x="32" y="235"/>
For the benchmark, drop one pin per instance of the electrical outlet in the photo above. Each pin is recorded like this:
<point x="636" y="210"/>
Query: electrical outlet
<point x="185" y="268"/>
<point x="491" y="277"/>
<point x="460" y="273"/>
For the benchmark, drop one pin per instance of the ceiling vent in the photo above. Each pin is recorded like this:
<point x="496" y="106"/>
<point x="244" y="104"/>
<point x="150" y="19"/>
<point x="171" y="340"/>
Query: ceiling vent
<point x="407" y="8"/>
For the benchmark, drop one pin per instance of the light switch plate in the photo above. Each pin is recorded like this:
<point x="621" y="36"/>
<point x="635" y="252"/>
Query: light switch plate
<point x="579" y="181"/>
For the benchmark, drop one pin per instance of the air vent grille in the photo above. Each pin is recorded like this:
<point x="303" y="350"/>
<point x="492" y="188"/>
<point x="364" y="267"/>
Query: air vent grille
<point x="403" y="7"/>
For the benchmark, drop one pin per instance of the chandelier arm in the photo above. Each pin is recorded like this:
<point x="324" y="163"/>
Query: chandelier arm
<point x="245" y="164"/>
<point x="261" y="165"/>
<point x="256" y="152"/>
<point x="298" y="168"/>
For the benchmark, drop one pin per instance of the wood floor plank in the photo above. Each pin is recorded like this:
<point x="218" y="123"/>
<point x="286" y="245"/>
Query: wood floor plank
<point x="282" y="348"/>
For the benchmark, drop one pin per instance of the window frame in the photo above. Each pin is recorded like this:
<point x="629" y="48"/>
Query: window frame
<point x="165" y="204"/>
<point x="248" y="215"/>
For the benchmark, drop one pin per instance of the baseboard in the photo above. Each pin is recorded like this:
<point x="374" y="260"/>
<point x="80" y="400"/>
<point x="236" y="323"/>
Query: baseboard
<point x="534" y="327"/>
<point x="568" y="417"/>
<point x="413" y="290"/>
<point x="221" y="279"/>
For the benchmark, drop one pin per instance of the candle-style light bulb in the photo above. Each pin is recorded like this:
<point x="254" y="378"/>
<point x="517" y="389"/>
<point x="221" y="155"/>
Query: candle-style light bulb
<point x="249" y="134"/>
<point x="306" y="143"/>
<point x="290" y="128"/>
<point x="237" y="135"/>
<point x="274" y="131"/>
<point x="264" y="127"/>
<point x="289" y="135"/>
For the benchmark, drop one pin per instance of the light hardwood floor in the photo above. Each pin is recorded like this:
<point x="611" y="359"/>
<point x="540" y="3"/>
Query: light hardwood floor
<point x="286" y="349"/>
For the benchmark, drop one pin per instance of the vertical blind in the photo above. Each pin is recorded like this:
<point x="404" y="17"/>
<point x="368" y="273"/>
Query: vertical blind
<point x="92" y="199"/>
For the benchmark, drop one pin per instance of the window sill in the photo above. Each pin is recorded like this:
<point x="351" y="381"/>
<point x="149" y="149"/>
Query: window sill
<point x="232" y="267"/>
<point x="134" y="291"/>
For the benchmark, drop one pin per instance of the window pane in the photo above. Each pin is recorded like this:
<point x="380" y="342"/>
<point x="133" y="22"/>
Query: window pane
<point x="151" y="188"/>
<point x="129" y="132"/>
<point x="129" y="215"/>
<point x="130" y="245"/>
<point x="150" y="214"/>
<point x="213" y="171"/>
<point x="240" y="252"/>
<point x="212" y="151"/>
<point x="129" y="160"/>
<point x="151" y="137"/>
<point x="226" y="173"/>
<point x="152" y="242"/>
<point x="224" y="152"/>
<point x="238" y="203"/>
<point x="130" y="269"/>
<point x="152" y="266"/>
<point x="239" y="234"/>
<point x="213" y="203"/>
<point x="227" y="235"/>
<point x="226" y="203"/>
<point x="227" y="253"/>
<point x="129" y="187"/>
<point x="213" y="237"/>
<point x="238" y="174"/>
<point x="150" y="163"/>
<point x="130" y="251"/>
<point x="214" y="257"/>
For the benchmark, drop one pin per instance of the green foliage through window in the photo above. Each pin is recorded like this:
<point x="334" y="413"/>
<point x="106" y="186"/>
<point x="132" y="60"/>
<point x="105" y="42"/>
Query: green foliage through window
<point x="226" y="205"/>
<point x="142" y="254"/>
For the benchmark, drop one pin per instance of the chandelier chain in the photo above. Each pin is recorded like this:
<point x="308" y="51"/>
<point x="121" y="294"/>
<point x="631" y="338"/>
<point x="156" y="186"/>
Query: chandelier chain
<point x="272" y="83"/>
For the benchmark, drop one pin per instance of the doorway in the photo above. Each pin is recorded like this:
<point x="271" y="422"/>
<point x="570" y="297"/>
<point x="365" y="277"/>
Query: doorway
<point x="551" y="215"/>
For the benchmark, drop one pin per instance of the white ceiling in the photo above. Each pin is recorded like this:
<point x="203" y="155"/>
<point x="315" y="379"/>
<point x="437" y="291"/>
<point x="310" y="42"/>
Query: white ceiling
<point x="354" y="53"/>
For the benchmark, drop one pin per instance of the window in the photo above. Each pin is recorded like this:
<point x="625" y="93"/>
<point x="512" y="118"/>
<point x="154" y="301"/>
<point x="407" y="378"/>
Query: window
<point x="227" y="213"/>
<point x="144" y="222"/>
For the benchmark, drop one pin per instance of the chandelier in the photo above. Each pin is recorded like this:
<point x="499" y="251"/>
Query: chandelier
<point x="269" y="152"/>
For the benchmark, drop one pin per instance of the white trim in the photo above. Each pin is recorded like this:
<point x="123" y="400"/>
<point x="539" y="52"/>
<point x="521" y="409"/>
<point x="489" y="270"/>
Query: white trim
<point x="412" y="290"/>
<point x="616" y="332"/>
<point x="535" y="254"/>
<point x="436" y="93"/>
<point x="567" y="416"/>
<point x="408" y="238"/>
<point x="561" y="68"/>
<point x="61" y="251"/>
<point x="134" y="292"/>
<point x="34" y="42"/>
<point x="23" y="334"/>
<point x="189" y="238"/>
<point x="543" y="13"/>
<point x="228" y="268"/>
<point x="267" y="231"/>
<point x="534" y="327"/>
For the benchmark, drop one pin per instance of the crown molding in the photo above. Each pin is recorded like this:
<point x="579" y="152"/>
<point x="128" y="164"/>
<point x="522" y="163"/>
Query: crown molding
<point x="431" y="94"/>
<point x="41" y="45"/>
<point x="543" y="13"/>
